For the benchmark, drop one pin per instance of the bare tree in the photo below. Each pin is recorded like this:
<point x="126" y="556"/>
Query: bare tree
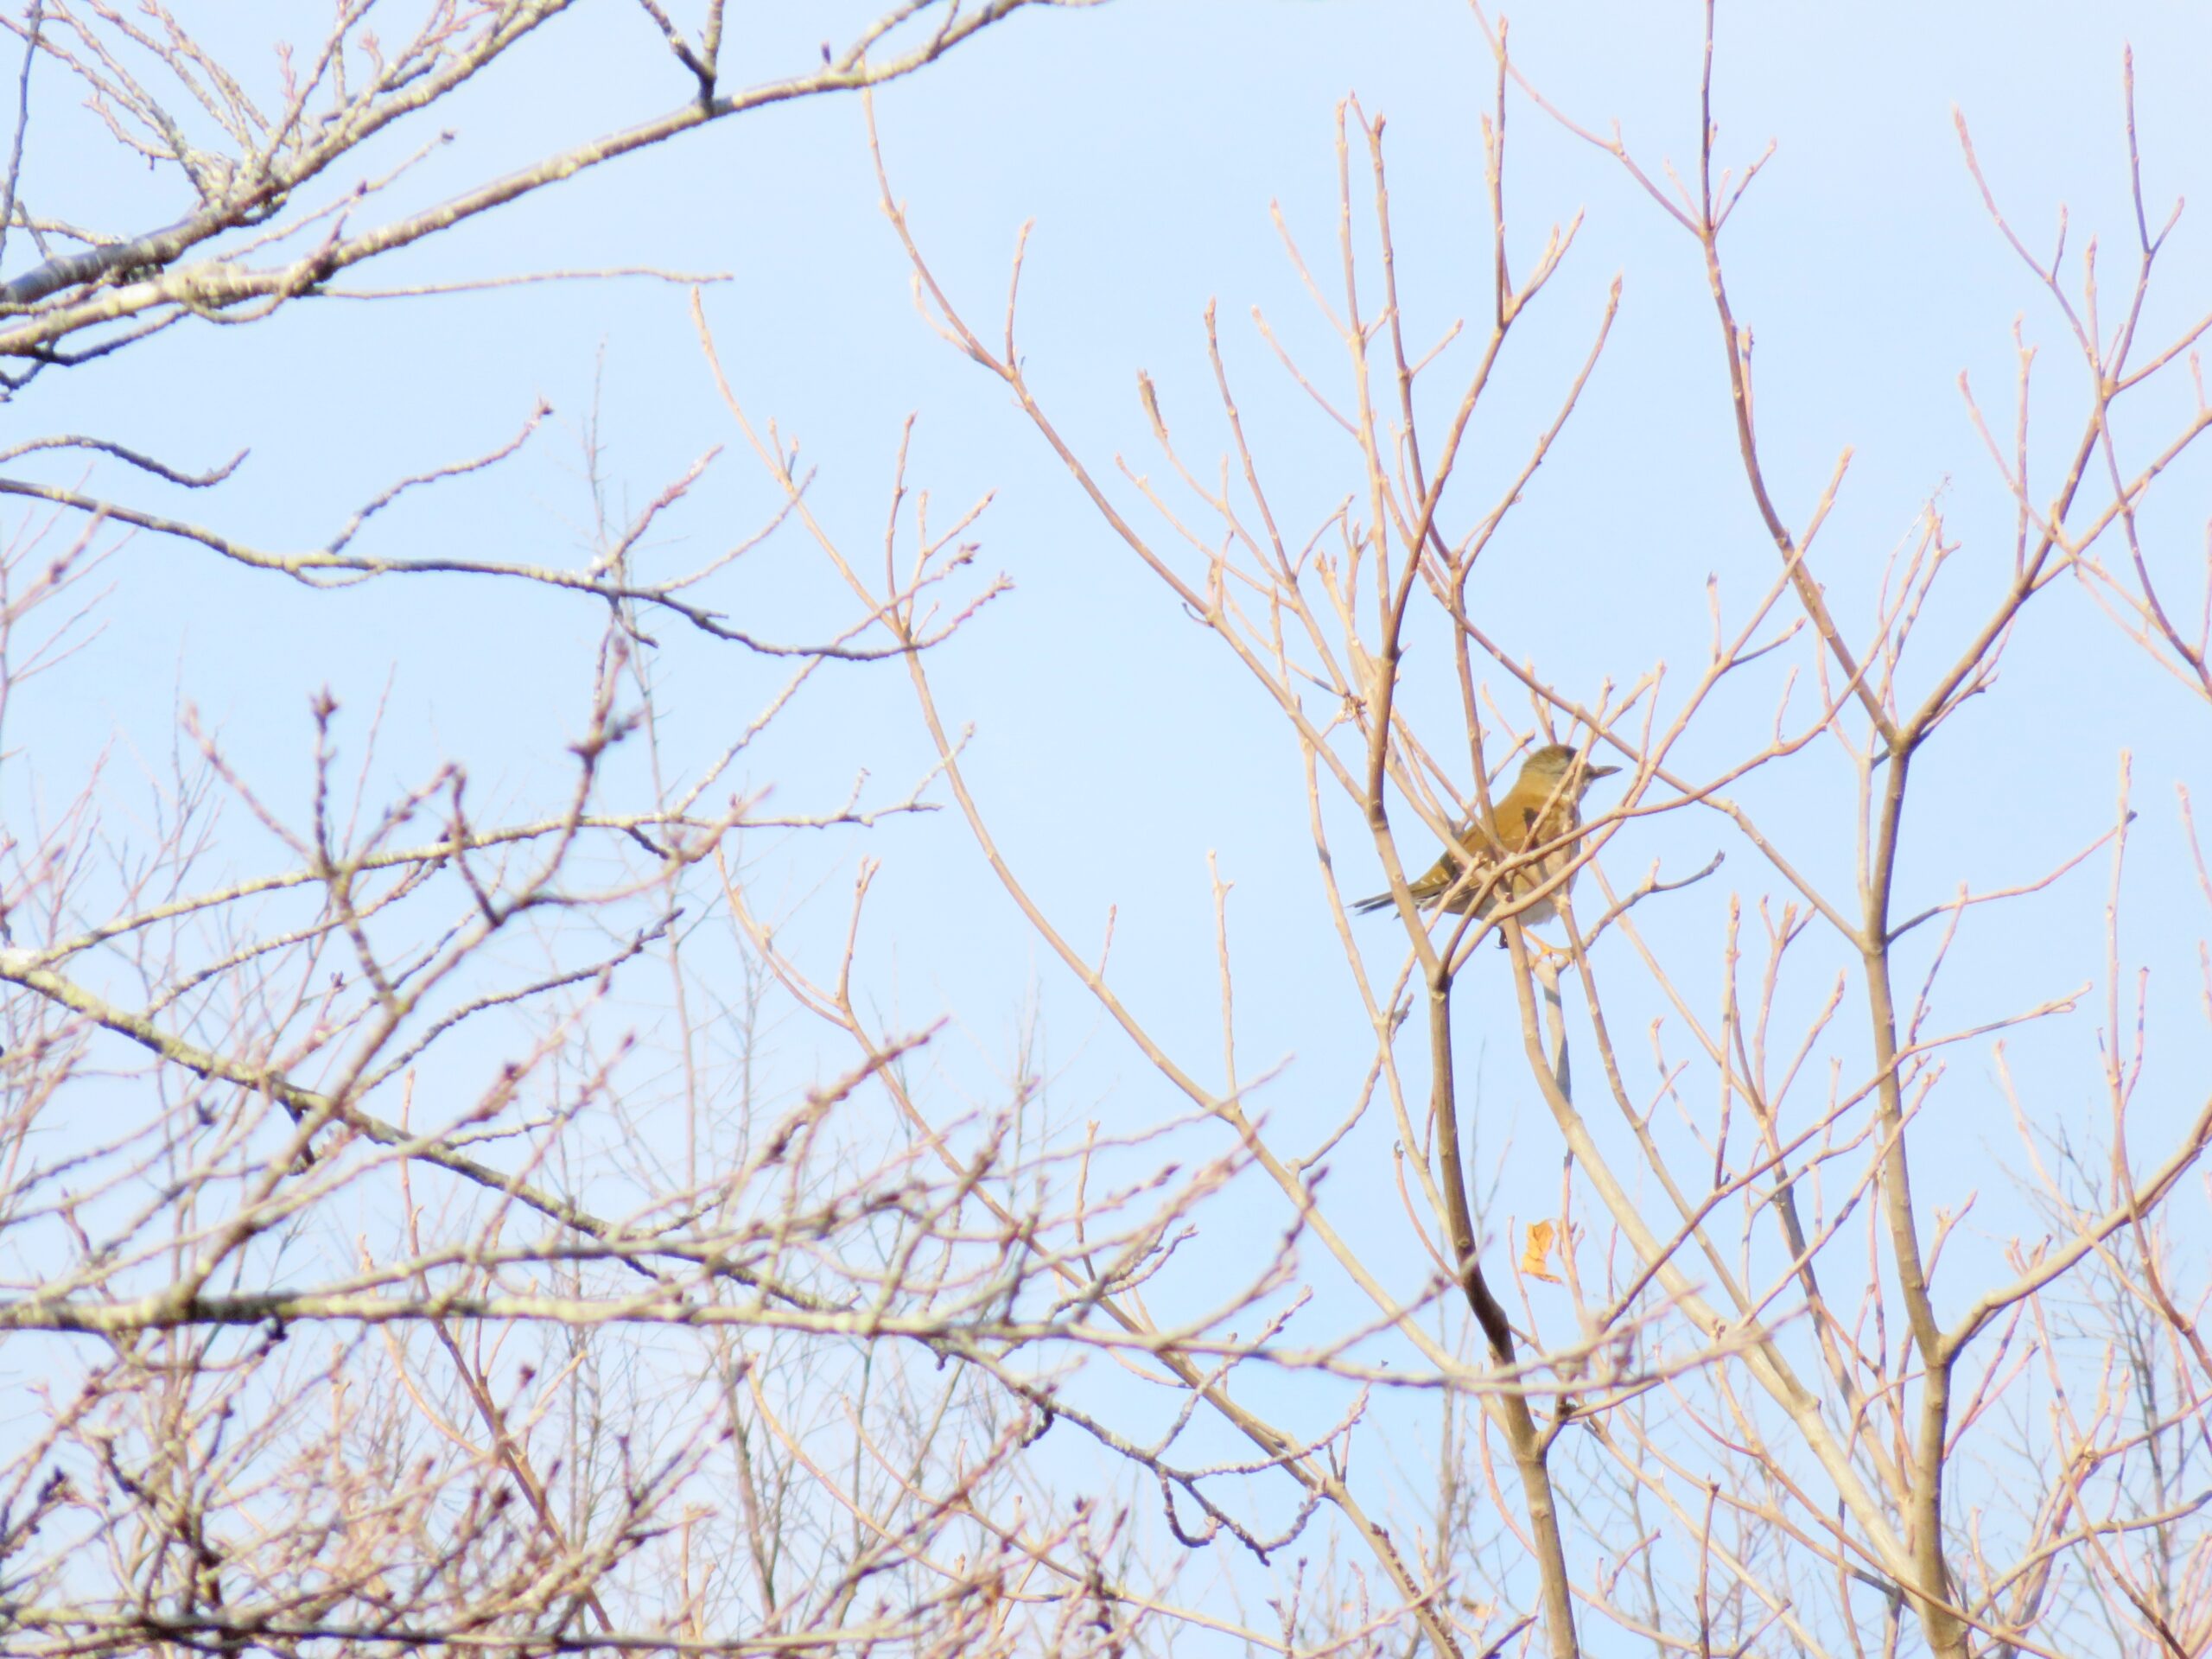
<point x="392" y="1284"/>
<point x="389" y="1285"/>
<point x="1765" y="1421"/>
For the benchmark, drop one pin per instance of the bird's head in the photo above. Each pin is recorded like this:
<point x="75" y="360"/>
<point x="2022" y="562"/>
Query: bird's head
<point x="1543" y="771"/>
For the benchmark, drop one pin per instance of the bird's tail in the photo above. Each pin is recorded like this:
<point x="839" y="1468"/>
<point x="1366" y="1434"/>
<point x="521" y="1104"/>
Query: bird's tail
<point x="1369" y="906"/>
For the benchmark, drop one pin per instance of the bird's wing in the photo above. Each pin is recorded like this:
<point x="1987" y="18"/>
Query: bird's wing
<point x="1515" y="820"/>
<point x="1477" y="841"/>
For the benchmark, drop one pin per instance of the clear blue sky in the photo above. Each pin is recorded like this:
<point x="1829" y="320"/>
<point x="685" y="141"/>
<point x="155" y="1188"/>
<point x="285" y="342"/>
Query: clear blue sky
<point x="1115" y="744"/>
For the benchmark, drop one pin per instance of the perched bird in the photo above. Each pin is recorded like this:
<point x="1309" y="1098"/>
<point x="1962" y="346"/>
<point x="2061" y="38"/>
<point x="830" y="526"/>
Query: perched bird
<point x="1544" y="803"/>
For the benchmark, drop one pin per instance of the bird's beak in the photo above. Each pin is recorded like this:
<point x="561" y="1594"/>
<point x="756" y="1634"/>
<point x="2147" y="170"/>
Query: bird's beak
<point x="1596" y="772"/>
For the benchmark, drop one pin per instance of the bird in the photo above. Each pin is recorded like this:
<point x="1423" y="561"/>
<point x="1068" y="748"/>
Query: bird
<point x="1544" y="803"/>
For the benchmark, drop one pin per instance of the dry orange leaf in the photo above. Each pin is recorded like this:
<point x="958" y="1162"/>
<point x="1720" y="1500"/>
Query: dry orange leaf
<point x="1537" y="1251"/>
